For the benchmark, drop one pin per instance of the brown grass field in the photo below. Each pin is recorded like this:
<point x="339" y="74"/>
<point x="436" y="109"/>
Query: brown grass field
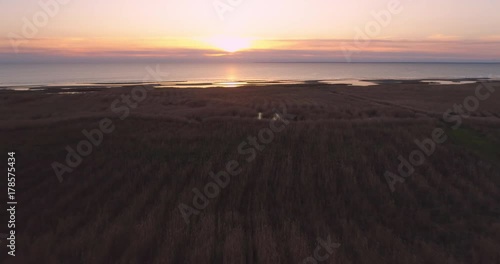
<point x="323" y="175"/>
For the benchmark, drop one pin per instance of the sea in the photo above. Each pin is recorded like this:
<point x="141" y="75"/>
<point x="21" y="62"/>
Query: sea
<point x="232" y="74"/>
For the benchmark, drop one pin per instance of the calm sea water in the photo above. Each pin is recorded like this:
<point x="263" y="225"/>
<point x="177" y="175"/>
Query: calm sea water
<point x="53" y="74"/>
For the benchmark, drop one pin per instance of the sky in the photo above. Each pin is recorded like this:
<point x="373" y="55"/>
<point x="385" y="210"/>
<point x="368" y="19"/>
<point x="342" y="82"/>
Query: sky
<point x="250" y="30"/>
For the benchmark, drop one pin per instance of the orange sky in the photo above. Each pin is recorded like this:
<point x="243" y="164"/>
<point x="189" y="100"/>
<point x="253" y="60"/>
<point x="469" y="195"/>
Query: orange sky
<point x="292" y="30"/>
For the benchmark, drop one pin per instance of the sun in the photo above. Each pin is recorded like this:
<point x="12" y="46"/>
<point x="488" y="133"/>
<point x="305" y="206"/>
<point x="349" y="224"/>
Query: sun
<point x="230" y="44"/>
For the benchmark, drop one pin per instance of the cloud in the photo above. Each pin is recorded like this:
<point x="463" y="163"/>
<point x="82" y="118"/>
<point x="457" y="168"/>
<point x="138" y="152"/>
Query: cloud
<point x="495" y="38"/>
<point x="443" y="37"/>
<point x="438" y="48"/>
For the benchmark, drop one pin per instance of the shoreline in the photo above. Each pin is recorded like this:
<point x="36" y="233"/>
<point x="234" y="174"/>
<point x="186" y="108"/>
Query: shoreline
<point x="246" y="83"/>
<point x="307" y="102"/>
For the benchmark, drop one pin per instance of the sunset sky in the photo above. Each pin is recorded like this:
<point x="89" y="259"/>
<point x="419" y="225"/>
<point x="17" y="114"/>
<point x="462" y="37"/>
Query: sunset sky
<point x="253" y="30"/>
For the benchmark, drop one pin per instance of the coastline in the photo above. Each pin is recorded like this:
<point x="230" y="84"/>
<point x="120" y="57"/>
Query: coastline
<point x="313" y="101"/>
<point x="246" y="83"/>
